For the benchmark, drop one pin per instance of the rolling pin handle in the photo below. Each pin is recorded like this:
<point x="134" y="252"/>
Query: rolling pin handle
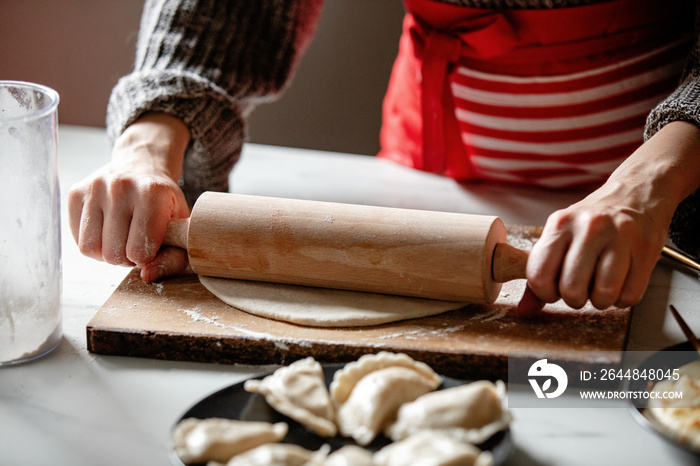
<point x="508" y="263"/>
<point x="176" y="234"/>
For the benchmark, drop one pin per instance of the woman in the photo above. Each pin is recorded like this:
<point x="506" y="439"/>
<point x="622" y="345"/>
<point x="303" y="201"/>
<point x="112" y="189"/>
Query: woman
<point x="552" y="93"/>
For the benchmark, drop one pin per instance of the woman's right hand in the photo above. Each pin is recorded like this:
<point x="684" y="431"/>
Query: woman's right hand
<point x="120" y="213"/>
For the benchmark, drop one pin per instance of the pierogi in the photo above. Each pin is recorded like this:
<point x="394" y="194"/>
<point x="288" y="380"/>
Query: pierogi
<point x="299" y="391"/>
<point x="385" y="392"/>
<point x="217" y="439"/>
<point x="368" y="392"/>
<point x="470" y="413"/>
<point x="349" y="455"/>
<point x="431" y="449"/>
<point x="276" y="454"/>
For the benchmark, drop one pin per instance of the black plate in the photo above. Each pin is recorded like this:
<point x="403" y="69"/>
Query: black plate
<point x="234" y="402"/>
<point x="655" y="361"/>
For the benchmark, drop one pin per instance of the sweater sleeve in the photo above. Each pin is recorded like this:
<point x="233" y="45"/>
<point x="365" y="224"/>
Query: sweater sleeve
<point x="683" y="104"/>
<point x="208" y="63"/>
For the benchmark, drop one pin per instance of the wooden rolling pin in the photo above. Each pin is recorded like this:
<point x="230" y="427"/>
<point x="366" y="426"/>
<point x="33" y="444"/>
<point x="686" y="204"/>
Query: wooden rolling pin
<point x="438" y="255"/>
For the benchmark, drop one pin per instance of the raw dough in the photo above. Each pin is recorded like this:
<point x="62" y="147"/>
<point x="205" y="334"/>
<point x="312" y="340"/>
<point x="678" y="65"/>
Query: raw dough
<point x="275" y="454"/>
<point x="471" y="413"/>
<point x="299" y="391"/>
<point x="320" y="307"/>
<point x="349" y="455"/>
<point x="369" y="391"/>
<point x="376" y="398"/>
<point x="217" y="439"/>
<point x="430" y="448"/>
<point x="345" y="379"/>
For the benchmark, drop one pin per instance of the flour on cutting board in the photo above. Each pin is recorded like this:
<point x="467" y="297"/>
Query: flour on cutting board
<point x="196" y="316"/>
<point x="422" y="333"/>
<point x="491" y="314"/>
<point x="430" y="332"/>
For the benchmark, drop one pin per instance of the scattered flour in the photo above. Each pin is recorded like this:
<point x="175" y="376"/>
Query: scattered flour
<point x="196" y="316"/>
<point x="443" y="331"/>
<point x="282" y="345"/>
<point x="493" y="314"/>
<point x="524" y="244"/>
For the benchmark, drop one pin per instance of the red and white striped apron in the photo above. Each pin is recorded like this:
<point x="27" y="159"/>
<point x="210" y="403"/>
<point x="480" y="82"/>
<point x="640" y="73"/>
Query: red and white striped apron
<point x="553" y="98"/>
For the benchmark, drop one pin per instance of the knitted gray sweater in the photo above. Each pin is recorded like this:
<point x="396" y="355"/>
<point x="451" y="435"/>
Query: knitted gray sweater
<point x="209" y="62"/>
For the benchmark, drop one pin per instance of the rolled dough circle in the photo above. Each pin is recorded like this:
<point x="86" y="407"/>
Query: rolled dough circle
<point x="320" y="307"/>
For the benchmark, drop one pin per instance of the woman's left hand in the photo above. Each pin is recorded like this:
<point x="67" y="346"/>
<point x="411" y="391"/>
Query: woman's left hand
<point x="597" y="249"/>
<point x="604" y="248"/>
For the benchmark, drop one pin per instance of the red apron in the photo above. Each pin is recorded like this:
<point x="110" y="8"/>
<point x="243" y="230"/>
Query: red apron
<point x="549" y="97"/>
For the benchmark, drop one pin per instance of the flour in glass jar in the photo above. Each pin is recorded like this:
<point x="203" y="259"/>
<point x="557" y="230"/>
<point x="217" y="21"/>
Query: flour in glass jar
<point x="30" y="245"/>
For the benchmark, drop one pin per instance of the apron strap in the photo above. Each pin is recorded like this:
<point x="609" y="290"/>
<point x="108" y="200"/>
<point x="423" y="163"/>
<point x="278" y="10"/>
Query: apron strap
<point x="488" y="35"/>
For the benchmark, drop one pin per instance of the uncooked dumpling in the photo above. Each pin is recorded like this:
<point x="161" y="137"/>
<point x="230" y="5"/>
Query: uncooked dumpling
<point x="299" y="391"/>
<point x="275" y="454"/>
<point x="345" y="379"/>
<point x="369" y="393"/>
<point x="320" y="307"/>
<point x="470" y="413"/>
<point x="431" y="449"/>
<point x="349" y="455"/>
<point x="217" y="439"/>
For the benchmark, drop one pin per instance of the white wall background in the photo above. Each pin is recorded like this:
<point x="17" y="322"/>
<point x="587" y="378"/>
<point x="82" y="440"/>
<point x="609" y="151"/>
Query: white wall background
<point x="82" y="47"/>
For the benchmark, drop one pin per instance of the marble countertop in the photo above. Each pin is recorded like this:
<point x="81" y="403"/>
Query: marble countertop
<point x="74" y="407"/>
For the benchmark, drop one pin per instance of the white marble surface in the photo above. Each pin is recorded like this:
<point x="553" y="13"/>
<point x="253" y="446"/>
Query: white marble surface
<point x="77" y="408"/>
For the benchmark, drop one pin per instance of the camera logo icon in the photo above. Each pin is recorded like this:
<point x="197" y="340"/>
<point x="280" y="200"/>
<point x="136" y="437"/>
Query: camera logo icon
<point x="542" y="370"/>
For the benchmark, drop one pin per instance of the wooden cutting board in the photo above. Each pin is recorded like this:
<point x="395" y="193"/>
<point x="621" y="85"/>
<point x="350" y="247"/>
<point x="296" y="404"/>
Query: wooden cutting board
<point x="178" y="319"/>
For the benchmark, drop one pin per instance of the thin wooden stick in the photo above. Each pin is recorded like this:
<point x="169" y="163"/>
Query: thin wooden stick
<point x="686" y="330"/>
<point x="681" y="258"/>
